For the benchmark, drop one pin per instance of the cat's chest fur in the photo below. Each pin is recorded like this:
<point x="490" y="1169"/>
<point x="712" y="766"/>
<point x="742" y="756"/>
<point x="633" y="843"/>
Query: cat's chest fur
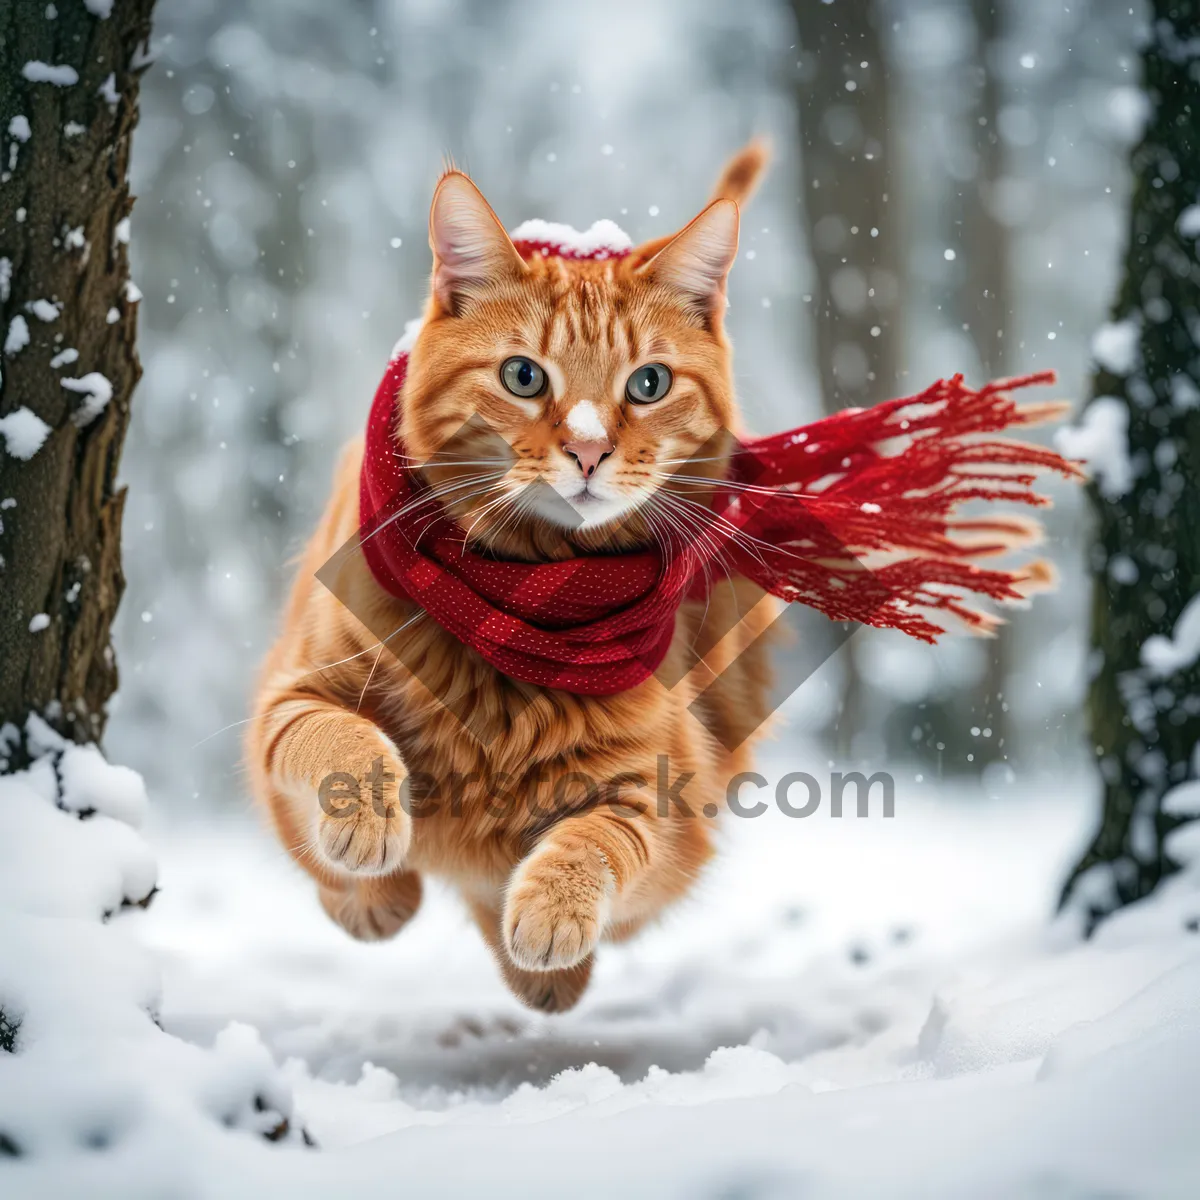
<point x="492" y="763"/>
<point x="462" y="715"/>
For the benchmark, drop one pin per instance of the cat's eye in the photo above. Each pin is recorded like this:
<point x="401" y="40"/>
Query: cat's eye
<point x="648" y="384"/>
<point x="523" y="377"/>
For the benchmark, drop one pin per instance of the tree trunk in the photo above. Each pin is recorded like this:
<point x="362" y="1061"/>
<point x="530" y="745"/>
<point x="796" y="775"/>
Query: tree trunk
<point x="1143" y="708"/>
<point x="988" y="307"/>
<point x="68" y="104"/>
<point x="852" y="224"/>
<point x="853" y="235"/>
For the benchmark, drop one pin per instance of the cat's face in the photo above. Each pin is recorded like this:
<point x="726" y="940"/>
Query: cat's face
<point x="579" y="397"/>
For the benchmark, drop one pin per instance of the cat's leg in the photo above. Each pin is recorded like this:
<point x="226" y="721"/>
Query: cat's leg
<point x="546" y="991"/>
<point x="332" y="780"/>
<point x="373" y="908"/>
<point x="592" y="867"/>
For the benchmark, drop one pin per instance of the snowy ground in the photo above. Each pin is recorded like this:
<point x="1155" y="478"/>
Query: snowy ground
<point x="846" y="1008"/>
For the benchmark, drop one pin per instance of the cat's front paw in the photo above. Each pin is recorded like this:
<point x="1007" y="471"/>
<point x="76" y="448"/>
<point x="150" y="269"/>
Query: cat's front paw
<point x="364" y="842"/>
<point x="362" y="827"/>
<point x="555" y="910"/>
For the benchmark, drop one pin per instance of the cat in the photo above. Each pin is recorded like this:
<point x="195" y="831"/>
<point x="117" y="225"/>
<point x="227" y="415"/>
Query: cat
<point x="585" y="404"/>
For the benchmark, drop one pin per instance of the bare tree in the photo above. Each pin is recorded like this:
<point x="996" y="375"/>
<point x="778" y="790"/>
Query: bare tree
<point x="68" y="105"/>
<point x="853" y="230"/>
<point x="988" y="304"/>
<point x="852" y="221"/>
<point x="1145" y="719"/>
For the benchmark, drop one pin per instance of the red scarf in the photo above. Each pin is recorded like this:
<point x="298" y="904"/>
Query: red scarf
<point x="601" y="623"/>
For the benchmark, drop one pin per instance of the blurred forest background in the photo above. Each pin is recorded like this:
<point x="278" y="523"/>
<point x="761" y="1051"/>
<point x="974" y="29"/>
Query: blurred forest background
<point x="948" y="195"/>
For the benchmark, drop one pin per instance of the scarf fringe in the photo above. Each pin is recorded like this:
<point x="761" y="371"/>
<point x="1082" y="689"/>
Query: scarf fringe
<point x="825" y="514"/>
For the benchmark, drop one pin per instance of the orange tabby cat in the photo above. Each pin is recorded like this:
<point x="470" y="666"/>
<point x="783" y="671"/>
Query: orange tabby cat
<point x="545" y="881"/>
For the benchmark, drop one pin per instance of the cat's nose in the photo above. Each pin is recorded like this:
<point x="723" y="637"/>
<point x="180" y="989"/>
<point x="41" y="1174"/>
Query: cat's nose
<point x="589" y="454"/>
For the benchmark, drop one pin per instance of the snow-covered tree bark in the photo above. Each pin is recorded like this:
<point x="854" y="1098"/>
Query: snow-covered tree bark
<point x="68" y="104"/>
<point x="1143" y="429"/>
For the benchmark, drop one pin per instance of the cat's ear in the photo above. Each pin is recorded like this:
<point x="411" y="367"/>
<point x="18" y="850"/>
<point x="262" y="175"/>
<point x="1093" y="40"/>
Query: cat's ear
<point x="740" y="177"/>
<point x="738" y="181"/>
<point x="696" y="261"/>
<point x="470" y="248"/>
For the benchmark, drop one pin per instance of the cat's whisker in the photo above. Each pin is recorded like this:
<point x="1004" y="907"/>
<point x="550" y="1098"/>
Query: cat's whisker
<point x="732" y="485"/>
<point x="665" y="529"/>
<point x="370" y="676"/>
<point x="733" y="533"/>
<point x="422" y="464"/>
<point x="717" y="559"/>
<point x="447" y="488"/>
<point x="689" y="534"/>
<point x="498" y="502"/>
<point x="381" y="643"/>
<point x="698" y="521"/>
<point x="482" y="484"/>
<point x="670" y="523"/>
<point x="701" y="512"/>
<point x="429" y="496"/>
<point x="225" y="729"/>
<point x="441" y="514"/>
<point x="658" y="541"/>
<point x="752" y="489"/>
<point x="439" y="456"/>
<point x="521" y="505"/>
<point x="705" y="566"/>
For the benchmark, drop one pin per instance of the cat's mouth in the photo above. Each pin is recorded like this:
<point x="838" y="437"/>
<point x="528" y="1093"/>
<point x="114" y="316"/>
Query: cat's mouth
<point x="589" y="504"/>
<point x="585" y="495"/>
<point x="587" y="507"/>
